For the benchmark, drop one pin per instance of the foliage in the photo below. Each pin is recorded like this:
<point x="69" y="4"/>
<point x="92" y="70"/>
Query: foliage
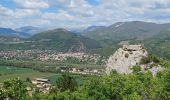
<point x="47" y="66"/>
<point x="145" y="60"/>
<point x="150" y="58"/>
<point x="66" y="82"/>
<point x="13" y="90"/>
<point x="139" y="86"/>
<point x="136" y="69"/>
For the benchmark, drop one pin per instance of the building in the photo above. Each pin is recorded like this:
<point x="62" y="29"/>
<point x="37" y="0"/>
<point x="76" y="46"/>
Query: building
<point x="42" y="84"/>
<point x="132" y="47"/>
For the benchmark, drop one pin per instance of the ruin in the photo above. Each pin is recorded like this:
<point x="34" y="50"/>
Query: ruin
<point x="132" y="47"/>
<point x="125" y="58"/>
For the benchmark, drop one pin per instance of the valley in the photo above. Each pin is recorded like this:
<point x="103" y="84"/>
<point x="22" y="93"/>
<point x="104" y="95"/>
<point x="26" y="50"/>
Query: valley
<point x="84" y="49"/>
<point x="59" y="63"/>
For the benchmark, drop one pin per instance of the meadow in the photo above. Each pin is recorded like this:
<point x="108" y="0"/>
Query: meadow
<point x="9" y="72"/>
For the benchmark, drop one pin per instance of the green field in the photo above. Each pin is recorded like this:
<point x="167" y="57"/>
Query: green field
<point x="7" y="72"/>
<point x="79" y="78"/>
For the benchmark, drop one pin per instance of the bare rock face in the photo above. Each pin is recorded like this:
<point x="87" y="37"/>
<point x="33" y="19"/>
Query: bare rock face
<point x="125" y="58"/>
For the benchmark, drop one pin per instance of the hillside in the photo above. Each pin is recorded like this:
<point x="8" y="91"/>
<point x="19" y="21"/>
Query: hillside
<point x="63" y="40"/>
<point x="127" y="30"/>
<point x="58" y="39"/>
<point x="159" y="44"/>
<point x="9" y="39"/>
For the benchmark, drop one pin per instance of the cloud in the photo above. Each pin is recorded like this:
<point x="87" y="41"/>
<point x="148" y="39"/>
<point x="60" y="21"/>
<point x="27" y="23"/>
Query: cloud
<point x="80" y="13"/>
<point x="25" y="13"/>
<point x="59" y="3"/>
<point x="5" y="11"/>
<point x="31" y="4"/>
<point x="60" y="15"/>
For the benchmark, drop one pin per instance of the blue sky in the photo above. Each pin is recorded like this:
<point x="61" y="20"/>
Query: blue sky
<point x="80" y="13"/>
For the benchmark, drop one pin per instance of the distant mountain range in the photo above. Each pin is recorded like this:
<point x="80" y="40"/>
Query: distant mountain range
<point x="127" y="30"/>
<point x="96" y="39"/>
<point x="30" y="30"/>
<point x="23" y="32"/>
<point x="116" y="32"/>
<point x="11" y="32"/>
<point x="92" y="28"/>
<point x="88" y="29"/>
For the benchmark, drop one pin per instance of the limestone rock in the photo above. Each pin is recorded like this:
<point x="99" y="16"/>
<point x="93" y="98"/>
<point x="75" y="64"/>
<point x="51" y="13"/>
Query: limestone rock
<point x="125" y="58"/>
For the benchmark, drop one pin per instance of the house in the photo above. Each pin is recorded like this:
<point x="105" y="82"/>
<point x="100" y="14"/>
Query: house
<point x="42" y="84"/>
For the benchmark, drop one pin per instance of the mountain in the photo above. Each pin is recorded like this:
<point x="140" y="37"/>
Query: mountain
<point x="11" y="32"/>
<point x="59" y="39"/>
<point x="159" y="45"/>
<point x="88" y="29"/>
<point x="31" y="30"/>
<point x="62" y="40"/>
<point x="127" y="30"/>
<point x="92" y="28"/>
<point x="77" y="31"/>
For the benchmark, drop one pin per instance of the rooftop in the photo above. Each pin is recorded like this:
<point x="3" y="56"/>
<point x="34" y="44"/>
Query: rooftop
<point x="41" y="79"/>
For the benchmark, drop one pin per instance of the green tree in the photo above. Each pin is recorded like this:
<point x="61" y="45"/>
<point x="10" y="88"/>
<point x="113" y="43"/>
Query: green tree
<point x="67" y="82"/>
<point x="14" y="90"/>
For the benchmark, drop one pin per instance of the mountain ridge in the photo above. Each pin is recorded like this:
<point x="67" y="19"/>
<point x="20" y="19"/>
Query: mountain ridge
<point x="128" y="30"/>
<point x="11" y="32"/>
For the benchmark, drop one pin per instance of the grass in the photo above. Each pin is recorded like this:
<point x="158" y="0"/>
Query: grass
<point x="10" y="72"/>
<point x="7" y="72"/>
<point x="13" y="70"/>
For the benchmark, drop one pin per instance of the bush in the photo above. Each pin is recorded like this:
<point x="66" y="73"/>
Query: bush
<point x="155" y="59"/>
<point x="136" y="69"/>
<point x="126" y="55"/>
<point x="145" y="60"/>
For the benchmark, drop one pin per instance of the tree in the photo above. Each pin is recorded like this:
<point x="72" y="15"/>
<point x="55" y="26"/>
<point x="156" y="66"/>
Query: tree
<point x="14" y="90"/>
<point x="66" y="82"/>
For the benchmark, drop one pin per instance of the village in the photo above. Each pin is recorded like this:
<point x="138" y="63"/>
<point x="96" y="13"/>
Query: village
<point x="48" y="55"/>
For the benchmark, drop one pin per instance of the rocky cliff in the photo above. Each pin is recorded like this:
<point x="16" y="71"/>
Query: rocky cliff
<point x="125" y="58"/>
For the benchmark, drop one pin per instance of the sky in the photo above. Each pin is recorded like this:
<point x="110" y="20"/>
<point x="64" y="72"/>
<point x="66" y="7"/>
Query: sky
<point x="80" y="13"/>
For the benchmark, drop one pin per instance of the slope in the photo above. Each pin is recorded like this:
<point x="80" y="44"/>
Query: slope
<point x="127" y="30"/>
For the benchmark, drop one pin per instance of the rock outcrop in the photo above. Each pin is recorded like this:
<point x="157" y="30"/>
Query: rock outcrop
<point x="125" y="58"/>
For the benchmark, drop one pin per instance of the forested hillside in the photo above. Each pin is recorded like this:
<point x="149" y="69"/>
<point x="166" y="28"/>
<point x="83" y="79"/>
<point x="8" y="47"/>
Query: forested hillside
<point x="60" y="40"/>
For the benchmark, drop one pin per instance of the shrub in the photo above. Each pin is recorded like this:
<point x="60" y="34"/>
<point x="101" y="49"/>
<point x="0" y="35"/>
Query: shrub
<point x="155" y="59"/>
<point x="126" y="55"/>
<point x="145" y="60"/>
<point x="136" y="69"/>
